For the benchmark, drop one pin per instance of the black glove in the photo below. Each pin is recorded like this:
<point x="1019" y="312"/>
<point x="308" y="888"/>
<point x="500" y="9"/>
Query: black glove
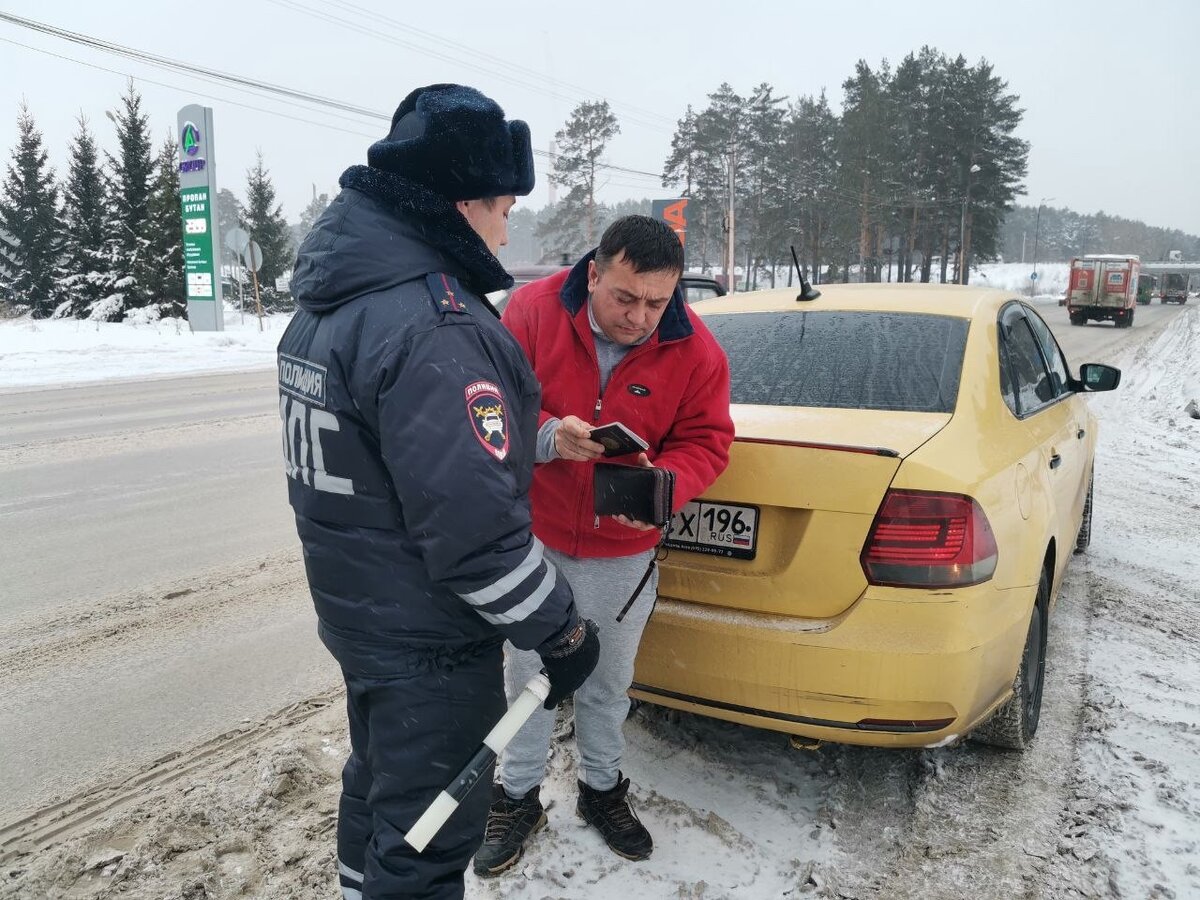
<point x="570" y="660"/>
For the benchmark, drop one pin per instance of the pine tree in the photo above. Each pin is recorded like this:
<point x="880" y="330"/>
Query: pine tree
<point x="131" y="174"/>
<point x="581" y="145"/>
<point x="993" y="162"/>
<point x="721" y="135"/>
<point x="165" y="285"/>
<point x="808" y="181"/>
<point x="30" y="227"/>
<point x="912" y="166"/>
<point x="682" y="170"/>
<point x="267" y="226"/>
<point x="764" y="215"/>
<point x="84" y="214"/>
<point x="864" y="156"/>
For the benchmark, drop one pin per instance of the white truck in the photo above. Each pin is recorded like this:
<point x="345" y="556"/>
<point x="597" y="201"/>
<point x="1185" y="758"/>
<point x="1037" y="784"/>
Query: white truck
<point x="1103" y="287"/>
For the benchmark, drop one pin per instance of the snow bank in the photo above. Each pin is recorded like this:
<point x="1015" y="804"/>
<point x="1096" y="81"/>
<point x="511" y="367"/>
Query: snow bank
<point x="1142" y="713"/>
<point x="1052" y="277"/>
<point x="69" y="351"/>
<point x="61" y="351"/>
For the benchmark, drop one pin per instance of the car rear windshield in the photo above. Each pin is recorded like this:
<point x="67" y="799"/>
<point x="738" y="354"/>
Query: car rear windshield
<point x="843" y="360"/>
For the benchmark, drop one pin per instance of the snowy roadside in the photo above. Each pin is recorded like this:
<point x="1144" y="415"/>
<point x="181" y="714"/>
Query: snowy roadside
<point x="39" y="353"/>
<point x="1139" y="808"/>
<point x="1107" y="803"/>
<point x="42" y="353"/>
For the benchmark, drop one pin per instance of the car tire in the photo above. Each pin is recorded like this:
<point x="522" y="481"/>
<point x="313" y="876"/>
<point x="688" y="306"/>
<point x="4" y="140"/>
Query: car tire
<point x="1077" y="319"/>
<point x="1015" y="723"/>
<point x="1084" y="538"/>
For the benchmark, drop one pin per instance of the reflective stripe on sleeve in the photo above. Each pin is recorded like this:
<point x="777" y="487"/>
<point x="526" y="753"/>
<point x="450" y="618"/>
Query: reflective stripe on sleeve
<point x="507" y="583"/>
<point x="526" y="607"/>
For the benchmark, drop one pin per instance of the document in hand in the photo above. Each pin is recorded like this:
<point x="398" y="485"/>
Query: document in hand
<point x="617" y="439"/>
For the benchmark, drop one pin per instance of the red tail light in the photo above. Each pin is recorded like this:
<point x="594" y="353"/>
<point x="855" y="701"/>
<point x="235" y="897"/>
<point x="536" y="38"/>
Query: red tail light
<point x="923" y="539"/>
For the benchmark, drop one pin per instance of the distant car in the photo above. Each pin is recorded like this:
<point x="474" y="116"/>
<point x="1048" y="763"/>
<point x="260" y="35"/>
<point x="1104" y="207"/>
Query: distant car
<point x="522" y="275"/>
<point x="698" y="287"/>
<point x="911" y="473"/>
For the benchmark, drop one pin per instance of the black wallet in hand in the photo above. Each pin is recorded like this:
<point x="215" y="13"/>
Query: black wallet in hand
<point x="641" y="493"/>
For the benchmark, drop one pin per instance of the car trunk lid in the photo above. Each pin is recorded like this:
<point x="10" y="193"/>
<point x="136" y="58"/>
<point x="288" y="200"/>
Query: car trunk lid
<point x="812" y="480"/>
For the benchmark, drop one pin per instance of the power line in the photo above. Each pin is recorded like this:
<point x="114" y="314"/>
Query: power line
<point x="175" y="87"/>
<point x="463" y="56"/>
<point x="179" y="65"/>
<point x="289" y="96"/>
<point x="539" y="77"/>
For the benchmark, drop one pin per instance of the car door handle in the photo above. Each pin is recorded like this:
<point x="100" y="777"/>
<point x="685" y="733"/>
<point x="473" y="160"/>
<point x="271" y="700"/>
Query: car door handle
<point x="1080" y="433"/>
<point x="1055" y="461"/>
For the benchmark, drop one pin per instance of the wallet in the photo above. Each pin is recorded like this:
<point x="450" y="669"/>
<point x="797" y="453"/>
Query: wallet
<point x="638" y="492"/>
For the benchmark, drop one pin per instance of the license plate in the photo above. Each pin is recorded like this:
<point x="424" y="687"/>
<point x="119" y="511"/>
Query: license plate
<point x="720" y="529"/>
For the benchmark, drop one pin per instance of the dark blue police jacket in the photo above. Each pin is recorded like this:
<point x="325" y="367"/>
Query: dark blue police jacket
<point x="409" y="424"/>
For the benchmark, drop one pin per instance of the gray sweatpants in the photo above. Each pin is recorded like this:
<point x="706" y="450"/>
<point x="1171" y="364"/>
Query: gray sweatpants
<point x="601" y="587"/>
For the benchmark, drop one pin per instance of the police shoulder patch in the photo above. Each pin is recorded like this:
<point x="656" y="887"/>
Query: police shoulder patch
<point x="446" y="292"/>
<point x="488" y="416"/>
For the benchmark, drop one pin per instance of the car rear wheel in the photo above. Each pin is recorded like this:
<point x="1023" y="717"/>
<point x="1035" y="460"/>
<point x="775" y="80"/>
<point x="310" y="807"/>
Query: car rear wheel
<point x="1015" y="723"/>
<point x="1078" y="319"/>
<point x="1085" y="526"/>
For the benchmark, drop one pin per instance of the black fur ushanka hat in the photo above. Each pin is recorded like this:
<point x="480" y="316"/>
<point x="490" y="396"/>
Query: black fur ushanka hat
<point x="455" y="141"/>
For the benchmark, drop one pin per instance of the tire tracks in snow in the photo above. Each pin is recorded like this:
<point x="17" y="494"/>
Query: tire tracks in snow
<point x="967" y="820"/>
<point x="155" y="438"/>
<point x="67" y="819"/>
<point x="90" y="628"/>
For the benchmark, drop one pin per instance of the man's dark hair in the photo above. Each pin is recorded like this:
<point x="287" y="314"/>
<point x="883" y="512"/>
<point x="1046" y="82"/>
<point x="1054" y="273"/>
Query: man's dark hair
<point x="649" y="245"/>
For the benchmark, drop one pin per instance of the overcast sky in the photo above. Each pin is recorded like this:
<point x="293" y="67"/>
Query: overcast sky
<point x="1112" y="109"/>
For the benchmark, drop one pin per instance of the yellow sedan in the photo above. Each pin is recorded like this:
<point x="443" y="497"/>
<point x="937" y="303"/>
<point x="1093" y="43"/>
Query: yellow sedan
<point x="911" y="475"/>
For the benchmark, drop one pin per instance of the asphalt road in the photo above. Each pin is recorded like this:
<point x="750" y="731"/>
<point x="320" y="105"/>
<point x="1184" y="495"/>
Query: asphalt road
<point x="152" y="591"/>
<point x="1102" y="342"/>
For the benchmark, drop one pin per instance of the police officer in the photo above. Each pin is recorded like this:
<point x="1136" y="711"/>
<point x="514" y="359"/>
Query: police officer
<point x="410" y="420"/>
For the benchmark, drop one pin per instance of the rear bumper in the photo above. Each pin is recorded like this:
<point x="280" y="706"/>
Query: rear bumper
<point x="899" y="669"/>
<point x="1099" y="312"/>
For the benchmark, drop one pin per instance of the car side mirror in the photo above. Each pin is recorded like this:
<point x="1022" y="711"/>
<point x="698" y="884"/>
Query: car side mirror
<point x="1099" y="377"/>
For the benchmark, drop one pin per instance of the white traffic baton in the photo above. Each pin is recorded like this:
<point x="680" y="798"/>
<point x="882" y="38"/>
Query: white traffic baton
<point x="533" y="695"/>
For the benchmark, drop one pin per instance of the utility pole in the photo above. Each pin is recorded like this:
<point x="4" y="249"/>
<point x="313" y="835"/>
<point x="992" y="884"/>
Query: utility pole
<point x="1036" y="225"/>
<point x="962" y="230"/>
<point x="962" y="243"/>
<point x="731" y="286"/>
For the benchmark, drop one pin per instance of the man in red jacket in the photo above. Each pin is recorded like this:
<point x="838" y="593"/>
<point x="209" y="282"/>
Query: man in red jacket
<point x="611" y="340"/>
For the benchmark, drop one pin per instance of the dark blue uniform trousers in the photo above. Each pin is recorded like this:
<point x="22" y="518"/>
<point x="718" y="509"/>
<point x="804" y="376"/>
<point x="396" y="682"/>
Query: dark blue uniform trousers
<point x="410" y="733"/>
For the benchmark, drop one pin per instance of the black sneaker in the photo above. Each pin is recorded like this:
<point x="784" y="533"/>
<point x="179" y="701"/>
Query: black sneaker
<point x="510" y="824"/>
<point x="609" y="812"/>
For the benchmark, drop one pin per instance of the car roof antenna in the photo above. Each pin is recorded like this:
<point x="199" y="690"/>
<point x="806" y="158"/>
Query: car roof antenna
<point x="807" y="291"/>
